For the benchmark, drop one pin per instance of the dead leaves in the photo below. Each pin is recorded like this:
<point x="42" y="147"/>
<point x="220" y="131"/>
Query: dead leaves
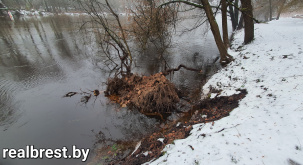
<point x="148" y="94"/>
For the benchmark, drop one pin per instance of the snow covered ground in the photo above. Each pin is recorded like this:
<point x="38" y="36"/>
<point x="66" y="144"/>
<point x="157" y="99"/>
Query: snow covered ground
<point x="267" y="127"/>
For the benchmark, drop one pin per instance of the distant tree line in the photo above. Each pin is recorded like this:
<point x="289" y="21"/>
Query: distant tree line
<point x="267" y="10"/>
<point x="53" y="5"/>
<point x="46" y="5"/>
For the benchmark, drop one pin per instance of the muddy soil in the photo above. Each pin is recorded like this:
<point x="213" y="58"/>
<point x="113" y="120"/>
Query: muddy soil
<point x="206" y="111"/>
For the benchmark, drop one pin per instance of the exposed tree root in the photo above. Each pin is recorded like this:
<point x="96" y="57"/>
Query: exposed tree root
<point x="165" y="73"/>
<point x="149" y="94"/>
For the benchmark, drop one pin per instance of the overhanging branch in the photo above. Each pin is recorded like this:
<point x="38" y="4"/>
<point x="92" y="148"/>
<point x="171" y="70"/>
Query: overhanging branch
<point x="186" y="2"/>
<point x="168" y="71"/>
<point x="182" y="1"/>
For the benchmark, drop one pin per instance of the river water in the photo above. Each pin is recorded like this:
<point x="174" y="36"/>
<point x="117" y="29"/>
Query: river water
<point x="43" y="58"/>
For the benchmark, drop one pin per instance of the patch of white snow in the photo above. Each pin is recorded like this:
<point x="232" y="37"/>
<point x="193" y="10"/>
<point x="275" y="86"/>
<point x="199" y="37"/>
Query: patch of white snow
<point x="267" y="127"/>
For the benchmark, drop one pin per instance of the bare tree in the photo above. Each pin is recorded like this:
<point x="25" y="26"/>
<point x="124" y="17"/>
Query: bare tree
<point x="225" y="58"/>
<point x="234" y="13"/>
<point x="247" y="11"/>
<point x="292" y="5"/>
<point x="224" y="23"/>
<point x="152" y="25"/>
<point x="112" y="35"/>
<point x="270" y="10"/>
<point x="281" y="7"/>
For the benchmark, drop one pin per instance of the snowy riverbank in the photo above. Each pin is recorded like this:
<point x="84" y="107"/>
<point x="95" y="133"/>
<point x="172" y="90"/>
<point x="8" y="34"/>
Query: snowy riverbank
<point x="267" y="127"/>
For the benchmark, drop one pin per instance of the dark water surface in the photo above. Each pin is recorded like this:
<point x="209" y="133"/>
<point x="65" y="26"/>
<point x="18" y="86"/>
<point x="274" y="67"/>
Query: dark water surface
<point x="41" y="59"/>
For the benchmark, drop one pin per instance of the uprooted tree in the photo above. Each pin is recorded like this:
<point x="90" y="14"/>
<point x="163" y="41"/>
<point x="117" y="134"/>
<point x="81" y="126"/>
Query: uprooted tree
<point x="152" y="95"/>
<point x="149" y="24"/>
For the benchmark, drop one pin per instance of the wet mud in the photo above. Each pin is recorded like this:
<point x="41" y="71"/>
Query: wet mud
<point x="151" y="146"/>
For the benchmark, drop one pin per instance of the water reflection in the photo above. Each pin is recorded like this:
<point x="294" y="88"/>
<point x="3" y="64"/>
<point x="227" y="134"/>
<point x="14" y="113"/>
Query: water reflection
<point x="43" y="58"/>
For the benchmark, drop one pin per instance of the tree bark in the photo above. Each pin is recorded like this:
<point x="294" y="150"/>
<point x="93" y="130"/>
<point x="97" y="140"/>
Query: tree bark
<point x="236" y="11"/>
<point x="224" y="23"/>
<point x="225" y="58"/>
<point x="240" y="25"/>
<point x="234" y="14"/>
<point x="270" y="10"/>
<point x="232" y="17"/>
<point x="248" y="21"/>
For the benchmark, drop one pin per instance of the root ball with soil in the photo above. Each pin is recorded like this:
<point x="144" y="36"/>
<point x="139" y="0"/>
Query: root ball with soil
<point x="153" y="94"/>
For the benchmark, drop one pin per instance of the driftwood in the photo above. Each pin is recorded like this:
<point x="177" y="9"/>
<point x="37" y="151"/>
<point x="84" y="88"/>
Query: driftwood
<point x="168" y="71"/>
<point x="84" y="99"/>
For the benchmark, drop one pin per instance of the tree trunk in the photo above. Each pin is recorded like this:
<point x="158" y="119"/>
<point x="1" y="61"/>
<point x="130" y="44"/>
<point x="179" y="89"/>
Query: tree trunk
<point x="124" y="47"/>
<point x="224" y="23"/>
<point x="236" y="11"/>
<point x="46" y="6"/>
<point x="240" y="25"/>
<point x="225" y="58"/>
<point x="232" y="17"/>
<point x="281" y="9"/>
<point x="234" y="14"/>
<point x="270" y="10"/>
<point x="248" y="21"/>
